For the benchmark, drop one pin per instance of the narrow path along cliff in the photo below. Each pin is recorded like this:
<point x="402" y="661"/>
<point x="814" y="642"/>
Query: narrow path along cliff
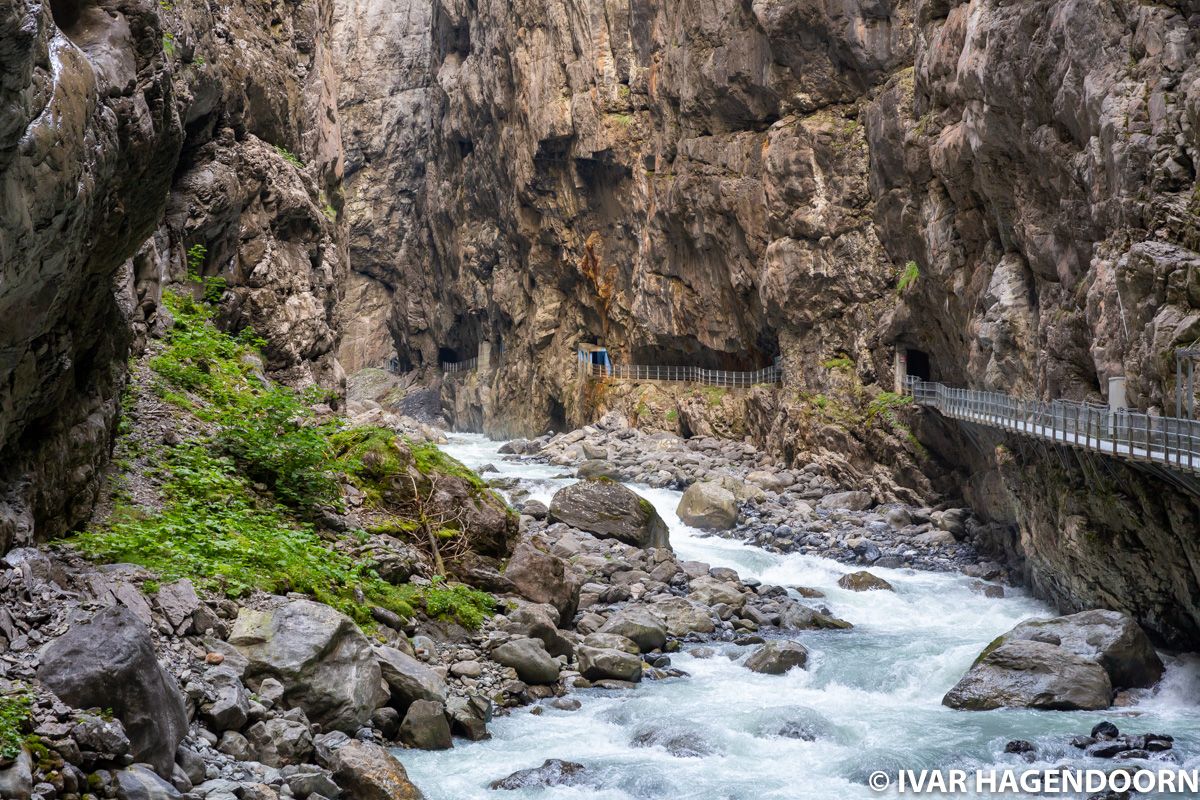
<point x="870" y="698"/>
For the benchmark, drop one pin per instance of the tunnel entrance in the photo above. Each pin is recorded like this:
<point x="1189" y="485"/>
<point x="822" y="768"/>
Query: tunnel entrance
<point x="918" y="364"/>
<point x="447" y="355"/>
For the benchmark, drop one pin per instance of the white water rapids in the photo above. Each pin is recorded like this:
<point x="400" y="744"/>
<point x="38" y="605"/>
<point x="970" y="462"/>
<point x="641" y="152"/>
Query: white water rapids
<point x="871" y="695"/>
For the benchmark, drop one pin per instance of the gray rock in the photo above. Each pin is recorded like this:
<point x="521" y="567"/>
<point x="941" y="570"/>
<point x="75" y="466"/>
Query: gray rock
<point x="529" y="658"/>
<point x="319" y="655"/>
<point x="231" y="708"/>
<point x="851" y="501"/>
<point x="543" y="577"/>
<point x="708" y="505"/>
<point x="1026" y="674"/>
<point x="538" y="621"/>
<point x="366" y="771"/>
<point x="425" y="726"/>
<point x="777" y="657"/>
<point x="552" y="772"/>
<point x="16" y="780"/>
<point x="98" y="735"/>
<point x="236" y="745"/>
<point x="1111" y="638"/>
<point x="279" y="742"/>
<point x="140" y="783"/>
<point x="598" y="664"/>
<point x="594" y="469"/>
<point x="178" y="602"/>
<point x="863" y="581"/>
<point x="609" y="510"/>
<point x="408" y="680"/>
<point x="469" y="716"/>
<point x="307" y="779"/>
<point x="109" y="662"/>
<point x="639" y="625"/>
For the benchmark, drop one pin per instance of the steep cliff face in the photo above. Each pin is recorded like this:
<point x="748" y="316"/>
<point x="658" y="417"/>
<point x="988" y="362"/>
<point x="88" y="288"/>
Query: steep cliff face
<point x="1048" y="189"/>
<point x="1009" y="189"/>
<point x="89" y="135"/>
<point x="146" y="145"/>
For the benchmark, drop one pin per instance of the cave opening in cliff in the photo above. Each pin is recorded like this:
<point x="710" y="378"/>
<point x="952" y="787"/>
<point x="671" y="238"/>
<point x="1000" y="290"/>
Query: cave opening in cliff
<point x="66" y="14"/>
<point x="447" y="355"/>
<point x="917" y="364"/>
<point x="556" y="415"/>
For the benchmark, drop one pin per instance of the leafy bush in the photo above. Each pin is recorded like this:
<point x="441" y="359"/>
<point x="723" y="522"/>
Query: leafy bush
<point x="269" y="429"/>
<point x="213" y="529"/>
<point x="469" y="606"/>
<point x="908" y="277"/>
<point x="289" y="157"/>
<point x="839" y="362"/>
<point x="15" y="710"/>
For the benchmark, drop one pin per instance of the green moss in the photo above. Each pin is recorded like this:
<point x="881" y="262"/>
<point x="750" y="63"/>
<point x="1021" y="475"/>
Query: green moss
<point x="672" y="415"/>
<point x="430" y="459"/>
<point x="713" y="395"/>
<point x="289" y="157"/>
<point x="468" y="606"/>
<point x="15" y="712"/>
<point x="908" y="277"/>
<point x="839" y="362"/>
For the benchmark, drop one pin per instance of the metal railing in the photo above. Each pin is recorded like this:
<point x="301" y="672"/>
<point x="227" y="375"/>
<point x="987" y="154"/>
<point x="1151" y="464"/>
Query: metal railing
<point x="460" y="366"/>
<point x="707" y="377"/>
<point x="1132" y="435"/>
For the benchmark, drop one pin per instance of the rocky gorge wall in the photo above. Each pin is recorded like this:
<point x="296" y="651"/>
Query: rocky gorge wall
<point x="1009" y="189"/>
<point x="145" y="146"/>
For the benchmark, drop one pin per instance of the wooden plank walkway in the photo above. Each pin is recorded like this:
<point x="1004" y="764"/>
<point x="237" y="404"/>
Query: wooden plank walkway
<point x="1126" y="434"/>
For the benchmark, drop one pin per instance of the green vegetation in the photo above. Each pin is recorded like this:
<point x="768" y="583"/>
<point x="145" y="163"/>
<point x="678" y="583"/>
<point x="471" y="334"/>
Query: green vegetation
<point x="289" y="157"/>
<point x="168" y="44"/>
<point x="839" y="362"/>
<point x="672" y="415"/>
<point x="235" y="502"/>
<point x="713" y="395"/>
<point x="430" y="459"/>
<point x="624" y="120"/>
<point x="15" y="711"/>
<point x="908" y="277"/>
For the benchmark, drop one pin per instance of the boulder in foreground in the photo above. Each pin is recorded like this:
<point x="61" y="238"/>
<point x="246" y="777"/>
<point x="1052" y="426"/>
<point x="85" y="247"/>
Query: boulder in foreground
<point x="1069" y="662"/>
<point x="109" y="662"/>
<point x="708" y="505"/>
<point x="610" y="511"/>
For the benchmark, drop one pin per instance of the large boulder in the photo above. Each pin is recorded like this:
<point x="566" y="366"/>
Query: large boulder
<point x="777" y="657"/>
<point x="537" y="621"/>
<point x="609" y="510"/>
<point x="529" y="658"/>
<point x="681" y="616"/>
<point x="639" y="625"/>
<point x="426" y="727"/>
<point x="1110" y="638"/>
<point x="711" y="591"/>
<point x="600" y="663"/>
<point x="139" y="783"/>
<point x="1022" y="673"/>
<point x="708" y="505"/>
<point x="552" y="772"/>
<point x="109" y="662"/>
<point x="852" y="501"/>
<point x="366" y="771"/>
<point x="324" y="662"/>
<point x="543" y="577"/>
<point x="407" y="679"/>
<point x="863" y="581"/>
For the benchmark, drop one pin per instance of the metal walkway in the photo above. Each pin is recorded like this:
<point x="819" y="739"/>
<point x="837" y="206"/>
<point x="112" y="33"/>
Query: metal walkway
<point x="1171" y="442"/>
<point x="706" y="377"/>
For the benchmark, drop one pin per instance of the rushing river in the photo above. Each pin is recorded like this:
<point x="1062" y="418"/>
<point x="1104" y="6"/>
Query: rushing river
<point x="871" y="696"/>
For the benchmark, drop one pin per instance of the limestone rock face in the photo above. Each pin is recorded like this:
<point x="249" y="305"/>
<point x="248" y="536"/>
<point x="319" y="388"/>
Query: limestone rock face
<point x="88" y="142"/>
<point x="109" y="662"/>
<point x="609" y="510"/>
<point x="324" y="662"/>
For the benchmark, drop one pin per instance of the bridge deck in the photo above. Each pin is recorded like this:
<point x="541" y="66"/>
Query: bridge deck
<point x="1131" y="435"/>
